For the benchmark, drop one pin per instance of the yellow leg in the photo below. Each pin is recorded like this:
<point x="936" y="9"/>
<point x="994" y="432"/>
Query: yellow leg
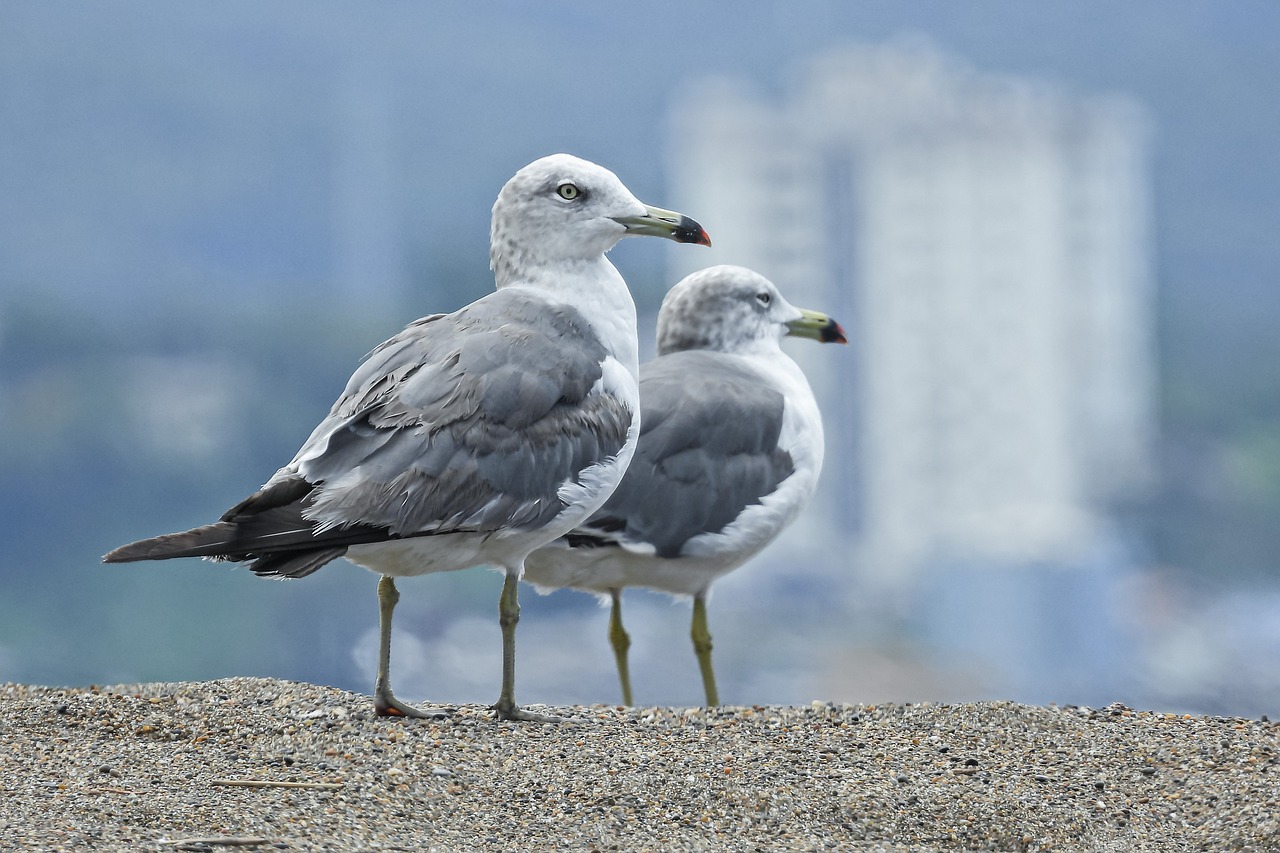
<point x="385" y="704"/>
<point x="702" y="648"/>
<point x="508" y="617"/>
<point x="621" y="643"/>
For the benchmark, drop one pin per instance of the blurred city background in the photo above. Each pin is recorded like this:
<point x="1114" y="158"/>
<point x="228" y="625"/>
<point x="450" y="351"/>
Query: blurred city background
<point x="1053" y="463"/>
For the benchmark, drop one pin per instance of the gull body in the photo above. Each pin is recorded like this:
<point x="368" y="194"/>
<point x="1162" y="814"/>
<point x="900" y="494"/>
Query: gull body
<point x="731" y="446"/>
<point x="473" y="437"/>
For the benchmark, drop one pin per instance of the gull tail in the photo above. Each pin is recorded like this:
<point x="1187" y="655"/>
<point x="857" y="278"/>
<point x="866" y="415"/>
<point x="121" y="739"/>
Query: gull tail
<point x="268" y="527"/>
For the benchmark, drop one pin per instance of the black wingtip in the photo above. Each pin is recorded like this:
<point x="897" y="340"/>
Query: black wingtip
<point x="208" y="541"/>
<point x="130" y="553"/>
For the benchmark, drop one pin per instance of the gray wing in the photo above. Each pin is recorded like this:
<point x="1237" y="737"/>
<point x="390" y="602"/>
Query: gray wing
<point x="708" y="449"/>
<point x="471" y="421"/>
<point x="468" y="421"/>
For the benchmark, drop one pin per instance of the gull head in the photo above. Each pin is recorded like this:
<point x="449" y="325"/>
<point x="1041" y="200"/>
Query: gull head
<point x="563" y="209"/>
<point x="734" y="309"/>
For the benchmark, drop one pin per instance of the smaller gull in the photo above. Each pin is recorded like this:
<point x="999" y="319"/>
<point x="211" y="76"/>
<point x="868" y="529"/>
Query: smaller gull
<point x="730" y="451"/>
<point x="470" y="438"/>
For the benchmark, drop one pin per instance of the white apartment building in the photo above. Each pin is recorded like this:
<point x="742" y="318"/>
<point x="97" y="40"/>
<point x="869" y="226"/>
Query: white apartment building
<point x="985" y="242"/>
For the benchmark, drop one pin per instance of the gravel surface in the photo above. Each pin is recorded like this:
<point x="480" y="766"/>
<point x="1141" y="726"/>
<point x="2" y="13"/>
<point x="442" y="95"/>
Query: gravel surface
<point x="165" y="766"/>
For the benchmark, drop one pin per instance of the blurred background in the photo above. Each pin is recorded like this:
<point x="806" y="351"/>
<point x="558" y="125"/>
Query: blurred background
<point x="1053" y="465"/>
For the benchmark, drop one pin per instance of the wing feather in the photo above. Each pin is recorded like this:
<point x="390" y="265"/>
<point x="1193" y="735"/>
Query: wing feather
<point x="472" y="421"/>
<point x="708" y="449"/>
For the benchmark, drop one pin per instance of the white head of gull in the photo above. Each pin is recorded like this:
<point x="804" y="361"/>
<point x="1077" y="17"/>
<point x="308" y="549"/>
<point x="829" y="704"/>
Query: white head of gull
<point x="474" y="437"/>
<point x="730" y="450"/>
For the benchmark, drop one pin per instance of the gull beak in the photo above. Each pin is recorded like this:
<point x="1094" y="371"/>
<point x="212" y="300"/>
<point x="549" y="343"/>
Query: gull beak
<point x="657" y="222"/>
<point x="816" y="326"/>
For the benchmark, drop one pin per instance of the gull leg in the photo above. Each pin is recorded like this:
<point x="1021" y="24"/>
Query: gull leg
<point x="385" y="704"/>
<point x="621" y="643"/>
<point x="701" y="636"/>
<point x="508" y="616"/>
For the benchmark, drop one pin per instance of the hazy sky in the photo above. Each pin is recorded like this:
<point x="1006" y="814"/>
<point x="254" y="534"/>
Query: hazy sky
<point x="147" y="143"/>
<point x="204" y="156"/>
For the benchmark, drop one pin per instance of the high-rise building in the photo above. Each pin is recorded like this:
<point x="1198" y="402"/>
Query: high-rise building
<point x="985" y="242"/>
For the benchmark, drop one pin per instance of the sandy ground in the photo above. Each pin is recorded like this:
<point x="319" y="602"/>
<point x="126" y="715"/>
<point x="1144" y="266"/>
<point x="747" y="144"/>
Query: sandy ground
<point x="254" y="764"/>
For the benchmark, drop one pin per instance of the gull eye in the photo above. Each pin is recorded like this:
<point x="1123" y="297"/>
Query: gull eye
<point x="568" y="191"/>
<point x="763" y="297"/>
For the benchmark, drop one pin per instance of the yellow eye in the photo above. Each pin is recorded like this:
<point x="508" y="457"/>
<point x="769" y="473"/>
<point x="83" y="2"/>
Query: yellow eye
<point x="568" y="192"/>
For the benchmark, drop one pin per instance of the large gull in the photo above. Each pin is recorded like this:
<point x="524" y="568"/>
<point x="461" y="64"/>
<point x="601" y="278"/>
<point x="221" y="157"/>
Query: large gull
<point x="473" y="437"/>
<point x="730" y="451"/>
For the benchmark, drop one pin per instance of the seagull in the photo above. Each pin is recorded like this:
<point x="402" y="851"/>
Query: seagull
<point x="730" y="451"/>
<point x="474" y="437"/>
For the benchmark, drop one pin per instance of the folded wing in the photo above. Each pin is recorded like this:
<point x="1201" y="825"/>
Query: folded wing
<point x="465" y="422"/>
<point x="708" y="449"/>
